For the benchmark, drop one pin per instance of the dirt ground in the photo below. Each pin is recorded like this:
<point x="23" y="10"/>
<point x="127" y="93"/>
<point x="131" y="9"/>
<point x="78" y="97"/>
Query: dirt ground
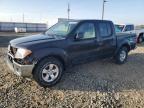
<point x="101" y="84"/>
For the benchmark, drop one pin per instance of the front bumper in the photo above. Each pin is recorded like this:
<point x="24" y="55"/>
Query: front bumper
<point x="20" y="70"/>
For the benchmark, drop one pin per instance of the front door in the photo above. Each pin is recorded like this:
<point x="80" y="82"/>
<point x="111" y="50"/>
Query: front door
<point x="84" y="49"/>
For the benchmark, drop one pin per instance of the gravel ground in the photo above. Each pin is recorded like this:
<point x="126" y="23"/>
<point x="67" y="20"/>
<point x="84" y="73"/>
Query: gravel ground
<point x="100" y="84"/>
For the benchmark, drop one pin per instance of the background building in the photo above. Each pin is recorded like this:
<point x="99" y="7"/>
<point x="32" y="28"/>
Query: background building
<point x="30" y="27"/>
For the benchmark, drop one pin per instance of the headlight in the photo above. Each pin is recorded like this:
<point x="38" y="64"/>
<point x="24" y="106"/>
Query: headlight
<point x="8" y="47"/>
<point x="22" y="53"/>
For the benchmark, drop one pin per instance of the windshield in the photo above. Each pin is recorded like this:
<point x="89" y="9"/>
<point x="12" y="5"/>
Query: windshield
<point x="61" y="29"/>
<point x="119" y="28"/>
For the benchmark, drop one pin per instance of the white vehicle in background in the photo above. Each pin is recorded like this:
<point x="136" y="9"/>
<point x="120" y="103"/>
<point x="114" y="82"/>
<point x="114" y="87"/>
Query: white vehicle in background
<point x="130" y="28"/>
<point x="20" y="30"/>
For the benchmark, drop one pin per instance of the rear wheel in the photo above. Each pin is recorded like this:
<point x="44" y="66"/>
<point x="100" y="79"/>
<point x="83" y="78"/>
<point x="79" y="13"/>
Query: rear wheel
<point x="48" y="72"/>
<point x="121" y="56"/>
<point x="141" y="38"/>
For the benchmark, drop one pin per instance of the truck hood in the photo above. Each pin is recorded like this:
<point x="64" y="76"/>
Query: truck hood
<point x="30" y="40"/>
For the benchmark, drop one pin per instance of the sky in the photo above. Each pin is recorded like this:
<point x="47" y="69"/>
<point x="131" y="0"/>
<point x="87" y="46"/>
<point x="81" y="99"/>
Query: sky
<point x="48" y="11"/>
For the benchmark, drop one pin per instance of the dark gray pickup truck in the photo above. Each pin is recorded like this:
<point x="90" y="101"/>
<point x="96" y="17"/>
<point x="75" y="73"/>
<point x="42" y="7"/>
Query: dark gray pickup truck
<point x="46" y="56"/>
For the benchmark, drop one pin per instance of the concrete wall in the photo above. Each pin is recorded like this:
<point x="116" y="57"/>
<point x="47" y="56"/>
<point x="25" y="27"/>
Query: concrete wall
<point x="30" y="27"/>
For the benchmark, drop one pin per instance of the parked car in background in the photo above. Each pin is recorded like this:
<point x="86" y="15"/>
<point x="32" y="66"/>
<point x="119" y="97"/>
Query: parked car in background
<point x="46" y="56"/>
<point x="130" y="28"/>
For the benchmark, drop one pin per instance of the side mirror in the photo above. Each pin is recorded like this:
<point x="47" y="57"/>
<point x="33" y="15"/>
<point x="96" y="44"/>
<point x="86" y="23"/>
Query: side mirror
<point x="79" y="36"/>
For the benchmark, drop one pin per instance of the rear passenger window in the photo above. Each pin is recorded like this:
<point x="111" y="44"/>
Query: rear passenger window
<point x="132" y="27"/>
<point x="105" y="29"/>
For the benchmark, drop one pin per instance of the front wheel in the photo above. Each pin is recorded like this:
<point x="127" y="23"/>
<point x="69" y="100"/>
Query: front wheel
<point x="48" y="72"/>
<point x="121" y="56"/>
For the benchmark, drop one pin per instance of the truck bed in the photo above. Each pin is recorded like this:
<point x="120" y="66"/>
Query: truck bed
<point x="124" y="35"/>
<point x="129" y="37"/>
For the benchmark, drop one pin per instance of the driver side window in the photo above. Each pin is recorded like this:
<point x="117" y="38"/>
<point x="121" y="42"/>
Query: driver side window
<point x="88" y="30"/>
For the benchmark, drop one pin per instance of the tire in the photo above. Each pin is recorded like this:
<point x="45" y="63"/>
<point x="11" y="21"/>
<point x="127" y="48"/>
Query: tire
<point x="48" y="72"/>
<point x="140" y="39"/>
<point x="121" y="56"/>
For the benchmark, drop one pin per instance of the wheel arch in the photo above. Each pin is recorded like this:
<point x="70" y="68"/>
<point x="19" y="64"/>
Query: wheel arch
<point x="127" y="46"/>
<point x="58" y="57"/>
<point x="140" y="34"/>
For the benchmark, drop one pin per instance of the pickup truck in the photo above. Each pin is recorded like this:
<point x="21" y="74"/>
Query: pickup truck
<point x="45" y="57"/>
<point x="130" y="28"/>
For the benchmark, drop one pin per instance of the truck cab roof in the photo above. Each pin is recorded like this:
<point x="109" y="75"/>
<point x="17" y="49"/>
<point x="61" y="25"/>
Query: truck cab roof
<point x="84" y="20"/>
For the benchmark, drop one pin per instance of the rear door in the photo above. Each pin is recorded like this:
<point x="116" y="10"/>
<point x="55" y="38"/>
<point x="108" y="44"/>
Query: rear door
<point x="107" y="41"/>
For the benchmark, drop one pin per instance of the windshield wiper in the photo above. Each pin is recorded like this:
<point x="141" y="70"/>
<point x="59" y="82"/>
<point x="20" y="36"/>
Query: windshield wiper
<point x="56" y="35"/>
<point x="51" y="35"/>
